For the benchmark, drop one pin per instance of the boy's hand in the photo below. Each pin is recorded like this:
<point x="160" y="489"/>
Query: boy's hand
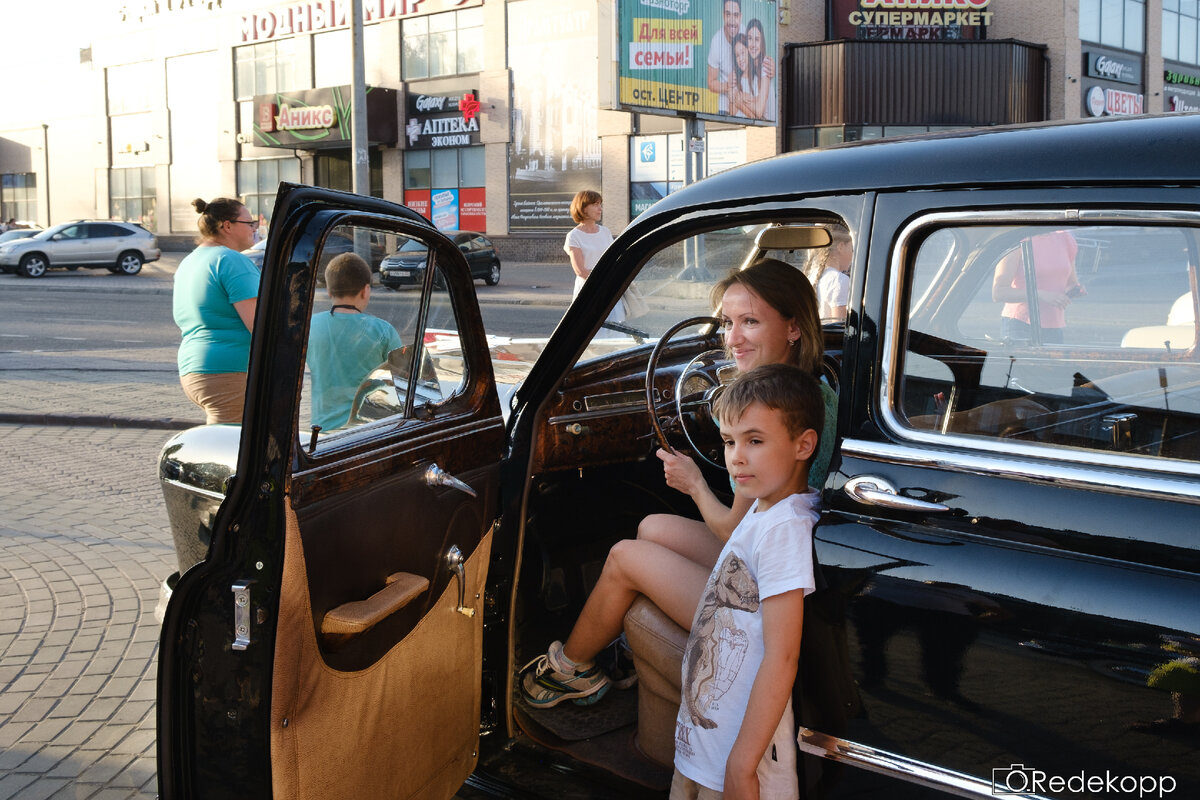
<point x="680" y="471"/>
<point x="739" y="784"/>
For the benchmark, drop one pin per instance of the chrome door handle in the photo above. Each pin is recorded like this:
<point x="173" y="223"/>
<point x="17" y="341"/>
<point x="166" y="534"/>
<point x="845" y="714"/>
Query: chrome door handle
<point x="436" y="476"/>
<point x="875" y="491"/>
<point x="454" y="560"/>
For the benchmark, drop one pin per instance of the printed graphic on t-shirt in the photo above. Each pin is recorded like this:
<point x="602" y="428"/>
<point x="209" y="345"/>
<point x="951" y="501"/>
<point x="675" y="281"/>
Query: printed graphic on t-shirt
<point x="717" y="645"/>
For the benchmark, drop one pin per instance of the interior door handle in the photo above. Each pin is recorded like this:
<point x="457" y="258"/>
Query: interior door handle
<point x="875" y="491"/>
<point x="454" y="561"/>
<point x="436" y="476"/>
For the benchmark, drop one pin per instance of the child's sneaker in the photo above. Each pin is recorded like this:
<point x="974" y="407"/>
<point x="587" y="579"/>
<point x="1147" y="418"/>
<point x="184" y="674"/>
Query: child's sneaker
<point x="547" y="680"/>
<point x="617" y="662"/>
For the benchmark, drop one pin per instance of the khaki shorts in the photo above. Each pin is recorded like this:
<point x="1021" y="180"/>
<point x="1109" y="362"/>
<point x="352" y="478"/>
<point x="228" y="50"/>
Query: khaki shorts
<point x="777" y="778"/>
<point x="220" y="394"/>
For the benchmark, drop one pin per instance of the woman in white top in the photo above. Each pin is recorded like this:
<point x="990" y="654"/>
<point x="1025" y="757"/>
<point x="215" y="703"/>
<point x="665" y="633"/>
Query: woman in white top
<point x="832" y="277"/>
<point x="587" y="241"/>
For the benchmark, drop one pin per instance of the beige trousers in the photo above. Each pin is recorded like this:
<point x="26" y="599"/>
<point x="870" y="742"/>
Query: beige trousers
<point x="221" y="394"/>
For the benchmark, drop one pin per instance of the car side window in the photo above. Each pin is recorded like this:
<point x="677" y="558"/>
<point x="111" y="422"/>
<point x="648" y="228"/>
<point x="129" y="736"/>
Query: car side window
<point x="367" y="350"/>
<point x="1070" y="337"/>
<point x="74" y="232"/>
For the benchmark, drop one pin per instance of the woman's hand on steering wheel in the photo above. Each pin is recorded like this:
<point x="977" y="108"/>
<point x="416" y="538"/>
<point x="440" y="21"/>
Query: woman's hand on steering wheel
<point x="680" y="471"/>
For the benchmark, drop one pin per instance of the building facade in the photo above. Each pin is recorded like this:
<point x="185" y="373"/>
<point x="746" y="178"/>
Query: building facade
<point x="489" y="115"/>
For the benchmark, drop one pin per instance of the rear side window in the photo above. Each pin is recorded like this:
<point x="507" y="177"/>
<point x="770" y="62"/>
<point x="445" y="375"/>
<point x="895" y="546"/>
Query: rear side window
<point x="1072" y="339"/>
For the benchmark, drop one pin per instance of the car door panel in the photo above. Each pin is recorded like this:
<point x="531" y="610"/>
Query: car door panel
<point x="385" y="702"/>
<point x="393" y="729"/>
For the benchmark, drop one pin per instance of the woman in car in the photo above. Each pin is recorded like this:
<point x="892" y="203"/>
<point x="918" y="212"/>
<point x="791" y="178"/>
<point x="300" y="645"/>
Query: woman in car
<point x="216" y="293"/>
<point x="769" y="315"/>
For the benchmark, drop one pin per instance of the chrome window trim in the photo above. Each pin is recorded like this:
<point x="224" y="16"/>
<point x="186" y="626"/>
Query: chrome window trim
<point x="894" y="343"/>
<point x="1108" y="477"/>
<point x="900" y="767"/>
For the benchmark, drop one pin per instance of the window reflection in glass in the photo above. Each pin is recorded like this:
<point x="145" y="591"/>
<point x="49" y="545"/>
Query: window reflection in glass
<point x="1080" y="337"/>
<point x="368" y="361"/>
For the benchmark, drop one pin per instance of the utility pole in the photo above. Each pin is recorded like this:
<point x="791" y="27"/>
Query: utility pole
<point x="360" y="161"/>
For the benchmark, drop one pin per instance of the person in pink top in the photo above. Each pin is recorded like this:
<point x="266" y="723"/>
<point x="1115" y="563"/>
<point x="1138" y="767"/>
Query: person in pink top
<point x="1054" y="272"/>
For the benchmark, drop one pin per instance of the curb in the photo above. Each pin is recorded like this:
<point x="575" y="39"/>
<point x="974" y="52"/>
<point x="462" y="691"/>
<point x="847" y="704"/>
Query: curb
<point x="97" y="421"/>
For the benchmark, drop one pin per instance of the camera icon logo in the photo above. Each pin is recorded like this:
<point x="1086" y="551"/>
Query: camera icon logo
<point x="1013" y="779"/>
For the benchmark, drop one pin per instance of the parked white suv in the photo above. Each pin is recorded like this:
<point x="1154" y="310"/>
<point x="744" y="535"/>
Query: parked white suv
<point x="121" y="247"/>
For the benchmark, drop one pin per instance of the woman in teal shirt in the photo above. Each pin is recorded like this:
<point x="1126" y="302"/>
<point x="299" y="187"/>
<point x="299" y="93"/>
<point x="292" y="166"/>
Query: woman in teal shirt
<point x="216" y="293"/>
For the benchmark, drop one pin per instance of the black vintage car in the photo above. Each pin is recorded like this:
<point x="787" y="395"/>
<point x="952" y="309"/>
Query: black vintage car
<point x="1009" y="551"/>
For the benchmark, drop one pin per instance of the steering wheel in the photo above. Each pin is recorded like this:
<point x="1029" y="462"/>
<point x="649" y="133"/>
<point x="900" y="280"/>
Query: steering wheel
<point x="695" y="392"/>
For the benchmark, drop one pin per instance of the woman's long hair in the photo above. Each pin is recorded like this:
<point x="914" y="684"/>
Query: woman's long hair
<point x="785" y="289"/>
<point x="756" y="64"/>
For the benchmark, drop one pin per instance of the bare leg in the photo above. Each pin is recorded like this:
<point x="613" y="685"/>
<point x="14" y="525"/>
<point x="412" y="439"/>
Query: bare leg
<point x="671" y="581"/>
<point x="690" y="538"/>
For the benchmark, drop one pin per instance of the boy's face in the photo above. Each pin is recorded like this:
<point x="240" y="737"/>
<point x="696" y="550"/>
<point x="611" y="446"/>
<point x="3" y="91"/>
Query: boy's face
<point x="764" y="459"/>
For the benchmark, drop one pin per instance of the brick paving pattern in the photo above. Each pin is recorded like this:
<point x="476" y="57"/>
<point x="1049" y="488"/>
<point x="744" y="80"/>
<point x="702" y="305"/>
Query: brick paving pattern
<point x="80" y="571"/>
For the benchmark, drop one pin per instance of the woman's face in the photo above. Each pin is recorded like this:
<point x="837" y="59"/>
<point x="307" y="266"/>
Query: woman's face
<point x="742" y="55"/>
<point x="755" y="333"/>
<point x="239" y="233"/>
<point x="594" y="211"/>
<point x="754" y="42"/>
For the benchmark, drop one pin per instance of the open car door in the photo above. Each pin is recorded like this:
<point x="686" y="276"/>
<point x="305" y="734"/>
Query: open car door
<point x="329" y="645"/>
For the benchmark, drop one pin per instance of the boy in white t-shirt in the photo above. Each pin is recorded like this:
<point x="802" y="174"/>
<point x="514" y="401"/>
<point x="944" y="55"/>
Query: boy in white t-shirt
<point x="734" y="736"/>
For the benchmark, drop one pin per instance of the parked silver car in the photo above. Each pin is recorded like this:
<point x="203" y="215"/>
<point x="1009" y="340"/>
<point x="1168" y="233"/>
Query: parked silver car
<point x="121" y="247"/>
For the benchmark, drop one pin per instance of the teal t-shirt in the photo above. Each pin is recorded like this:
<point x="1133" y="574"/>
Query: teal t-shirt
<point x="208" y="282"/>
<point x="342" y="351"/>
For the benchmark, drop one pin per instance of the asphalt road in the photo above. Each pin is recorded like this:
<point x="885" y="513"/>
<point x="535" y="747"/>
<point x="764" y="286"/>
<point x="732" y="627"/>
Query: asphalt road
<point x="93" y="309"/>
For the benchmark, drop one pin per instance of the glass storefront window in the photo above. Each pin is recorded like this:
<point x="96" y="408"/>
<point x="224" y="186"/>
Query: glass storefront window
<point x="1116" y="23"/>
<point x="266" y="68"/>
<point x="471" y="166"/>
<point x="416" y="169"/>
<point x="18" y="196"/>
<point x="442" y="44"/>
<point x="132" y="195"/>
<point x="445" y="168"/>
<point x="258" y="183"/>
<point x="1180" y="27"/>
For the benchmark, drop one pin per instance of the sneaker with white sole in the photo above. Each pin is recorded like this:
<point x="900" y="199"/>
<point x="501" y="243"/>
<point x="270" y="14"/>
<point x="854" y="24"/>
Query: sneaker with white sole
<point x="547" y="681"/>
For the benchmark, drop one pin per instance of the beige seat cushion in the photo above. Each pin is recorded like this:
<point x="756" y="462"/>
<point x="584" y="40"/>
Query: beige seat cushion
<point x="657" y="644"/>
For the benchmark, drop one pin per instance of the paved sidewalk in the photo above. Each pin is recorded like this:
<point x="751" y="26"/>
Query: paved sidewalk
<point x="84" y="545"/>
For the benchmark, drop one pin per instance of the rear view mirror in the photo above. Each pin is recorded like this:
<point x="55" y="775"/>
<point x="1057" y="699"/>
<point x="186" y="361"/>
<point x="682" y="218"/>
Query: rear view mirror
<point x="793" y="237"/>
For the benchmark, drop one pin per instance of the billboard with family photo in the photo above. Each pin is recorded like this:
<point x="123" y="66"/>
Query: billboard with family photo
<point x="713" y="59"/>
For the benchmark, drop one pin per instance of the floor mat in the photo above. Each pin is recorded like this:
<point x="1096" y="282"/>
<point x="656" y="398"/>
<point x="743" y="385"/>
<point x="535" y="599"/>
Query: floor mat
<point x="614" y="752"/>
<point x="573" y="723"/>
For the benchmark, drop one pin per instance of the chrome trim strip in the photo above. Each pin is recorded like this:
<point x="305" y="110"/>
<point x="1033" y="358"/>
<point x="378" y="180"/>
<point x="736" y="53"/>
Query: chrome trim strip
<point x="1097" y="460"/>
<point x="613" y="400"/>
<point x="897" y="766"/>
<point x="1082" y="476"/>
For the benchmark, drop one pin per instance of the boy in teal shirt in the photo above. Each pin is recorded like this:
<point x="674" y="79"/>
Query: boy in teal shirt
<point x="345" y="343"/>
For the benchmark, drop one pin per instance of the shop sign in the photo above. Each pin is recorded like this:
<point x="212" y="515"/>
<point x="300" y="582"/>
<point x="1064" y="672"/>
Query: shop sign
<point x="910" y="19"/>
<point x="315" y="118"/>
<point x="290" y="19"/>
<point x="1181" y="90"/>
<point x="1110" y="68"/>
<point x="1114" y="102"/>
<point x="442" y="120"/>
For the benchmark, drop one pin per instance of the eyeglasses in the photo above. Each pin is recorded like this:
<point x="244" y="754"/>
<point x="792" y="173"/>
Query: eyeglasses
<point x="249" y="222"/>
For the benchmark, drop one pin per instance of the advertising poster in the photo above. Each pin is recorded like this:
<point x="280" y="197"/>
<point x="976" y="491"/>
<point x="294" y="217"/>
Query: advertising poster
<point x="555" y="151"/>
<point x="445" y="209"/>
<point x="713" y="59"/>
